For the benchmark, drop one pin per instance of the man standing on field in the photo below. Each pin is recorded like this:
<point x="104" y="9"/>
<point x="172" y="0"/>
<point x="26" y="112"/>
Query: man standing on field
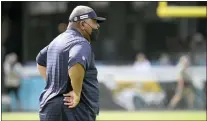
<point x="67" y="64"/>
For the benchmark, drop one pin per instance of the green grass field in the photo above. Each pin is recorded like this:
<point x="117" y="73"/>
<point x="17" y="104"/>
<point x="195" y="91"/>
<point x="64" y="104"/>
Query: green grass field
<point x="115" y="115"/>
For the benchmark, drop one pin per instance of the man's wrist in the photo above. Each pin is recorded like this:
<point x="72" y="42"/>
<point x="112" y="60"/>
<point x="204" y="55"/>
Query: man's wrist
<point x="77" y="94"/>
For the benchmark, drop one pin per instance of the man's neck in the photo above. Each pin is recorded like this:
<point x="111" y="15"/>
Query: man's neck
<point x="86" y="36"/>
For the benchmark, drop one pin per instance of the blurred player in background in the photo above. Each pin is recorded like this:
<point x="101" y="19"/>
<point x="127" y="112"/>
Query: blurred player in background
<point x="198" y="49"/>
<point x="185" y="87"/>
<point x="12" y="69"/>
<point x="68" y="66"/>
<point x="164" y="59"/>
<point x="62" y="27"/>
<point x="142" y="63"/>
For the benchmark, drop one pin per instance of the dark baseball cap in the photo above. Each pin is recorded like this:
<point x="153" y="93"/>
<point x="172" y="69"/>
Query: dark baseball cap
<point x="84" y="12"/>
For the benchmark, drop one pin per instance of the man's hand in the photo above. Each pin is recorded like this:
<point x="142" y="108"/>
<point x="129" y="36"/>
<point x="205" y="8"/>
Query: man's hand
<point x="71" y="99"/>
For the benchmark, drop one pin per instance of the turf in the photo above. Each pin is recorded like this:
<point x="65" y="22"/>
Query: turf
<point x="116" y="115"/>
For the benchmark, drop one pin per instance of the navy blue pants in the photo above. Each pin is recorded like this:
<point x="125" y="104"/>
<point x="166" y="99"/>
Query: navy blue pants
<point x="55" y="110"/>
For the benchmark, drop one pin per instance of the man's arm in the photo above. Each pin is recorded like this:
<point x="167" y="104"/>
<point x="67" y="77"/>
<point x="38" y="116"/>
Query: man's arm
<point x="42" y="71"/>
<point x="79" y="58"/>
<point x="41" y="60"/>
<point x="76" y="74"/>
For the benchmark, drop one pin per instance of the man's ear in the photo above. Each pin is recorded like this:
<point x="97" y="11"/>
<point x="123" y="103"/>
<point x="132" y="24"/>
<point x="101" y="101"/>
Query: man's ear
<point x="81" y="25"/>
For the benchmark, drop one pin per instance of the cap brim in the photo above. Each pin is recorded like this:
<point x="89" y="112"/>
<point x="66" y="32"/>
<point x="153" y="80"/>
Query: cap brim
<point x="100" y="19"/>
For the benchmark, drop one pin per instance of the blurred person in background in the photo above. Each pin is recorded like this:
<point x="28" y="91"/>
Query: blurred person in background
<point x="205" y="92"/>
<point x="62" y="27"/>
<point x="107" y="90"/>
<point x="185" y="87"/>
<point x="4" y="36"/>
<point x="164" y="59"/>
<point x="198" y="58"/>
<point x="198" y="49"/>
<point x="12" y="69"/>
<point x="141" y="63"/>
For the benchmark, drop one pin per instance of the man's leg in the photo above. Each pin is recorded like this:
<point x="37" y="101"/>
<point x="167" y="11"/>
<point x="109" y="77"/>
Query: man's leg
<point x="8" y="91"/>
<point x="18" y="103"/>
<point x="52" y="111"/>
<point x="79" y="113"/>
<point x="69" y="114"/>
<point x="190" y="97"/>
<point x="176" y="98"/>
